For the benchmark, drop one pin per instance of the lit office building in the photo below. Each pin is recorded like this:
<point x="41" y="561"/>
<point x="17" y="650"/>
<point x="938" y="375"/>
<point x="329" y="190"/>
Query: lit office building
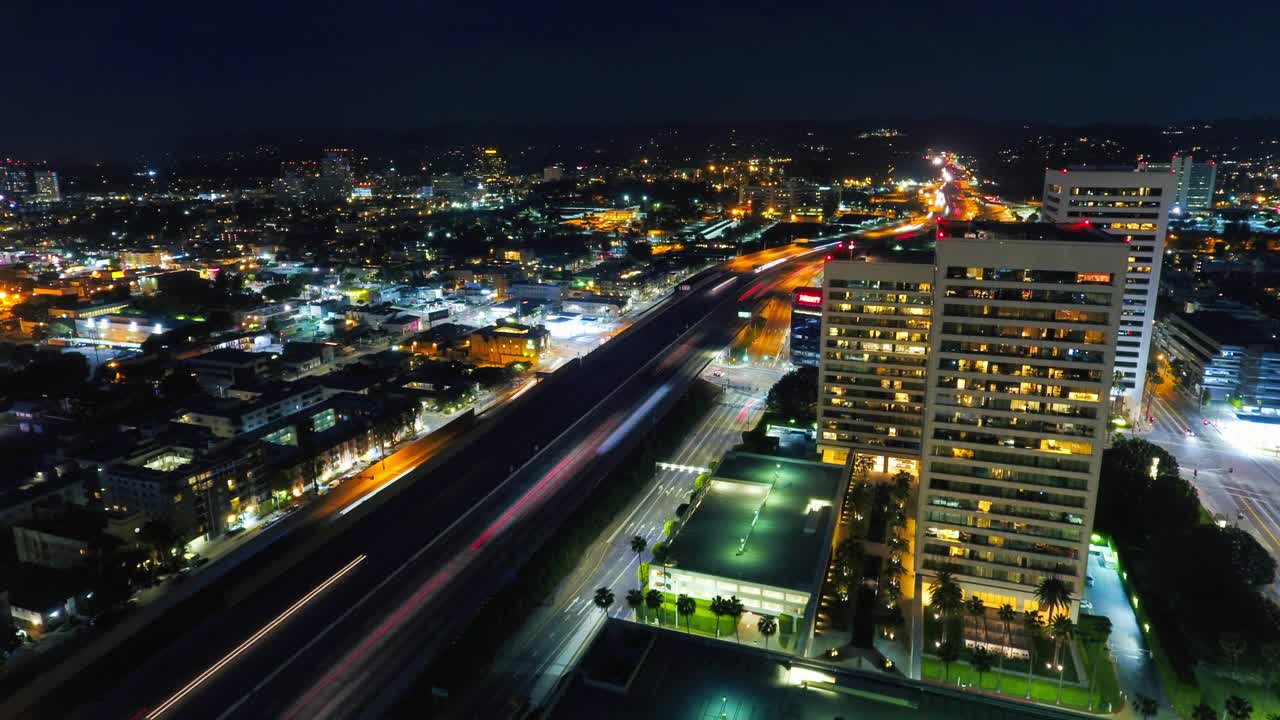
<point x="14" y="182"/>
<point x="47" y="187"/>
<point x="806" y="326"/>
<point x="1193" y="182"/>
<point x="981" y="366"/>
<point x="1135" y="206"/>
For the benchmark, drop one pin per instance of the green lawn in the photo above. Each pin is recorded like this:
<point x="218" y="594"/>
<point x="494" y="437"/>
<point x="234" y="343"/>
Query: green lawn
<point x="1042" y="690"/>
<point x="703" y="622"/>
<point x="1216" y="689"/>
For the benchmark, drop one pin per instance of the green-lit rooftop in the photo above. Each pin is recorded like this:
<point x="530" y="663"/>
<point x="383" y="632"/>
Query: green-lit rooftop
<point x="785" y="546"/>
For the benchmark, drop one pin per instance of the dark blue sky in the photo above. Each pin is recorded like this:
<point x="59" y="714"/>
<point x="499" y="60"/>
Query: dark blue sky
<point x="108" y="77"/>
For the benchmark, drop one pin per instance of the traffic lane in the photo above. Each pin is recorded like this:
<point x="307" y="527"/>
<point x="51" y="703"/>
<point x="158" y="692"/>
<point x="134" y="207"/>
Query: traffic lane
<point x="541" y="646"/>
<point x="373" y="661"/>
<point x="412" y="490"/>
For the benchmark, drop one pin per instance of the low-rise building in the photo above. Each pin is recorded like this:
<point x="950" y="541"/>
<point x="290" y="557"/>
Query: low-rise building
<point x="194" y="491"/>
<point x="505" y="344"/>
<point x="1228" y="355"/>
<point x="221" y="369"/>
<point x="761" y="529"/>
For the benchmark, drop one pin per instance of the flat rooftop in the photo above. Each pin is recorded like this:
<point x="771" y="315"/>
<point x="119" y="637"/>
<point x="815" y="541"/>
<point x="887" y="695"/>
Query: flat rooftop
<point x="644" y="672"/>
<point x="1228" y="328"/>
<point x="1052" y="232"/>
<point x="785" y="546"/>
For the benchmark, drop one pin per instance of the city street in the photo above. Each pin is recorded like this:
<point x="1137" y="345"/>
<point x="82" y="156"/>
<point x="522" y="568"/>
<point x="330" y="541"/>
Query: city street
<point x="1237" y="483"/>
<point x="550" y="642"/>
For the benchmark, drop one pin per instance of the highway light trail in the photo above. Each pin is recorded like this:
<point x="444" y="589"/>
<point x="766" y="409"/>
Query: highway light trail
<point x="423" y="591"/>
<point x="629" y="424"/>
<point x="177" y="697"/>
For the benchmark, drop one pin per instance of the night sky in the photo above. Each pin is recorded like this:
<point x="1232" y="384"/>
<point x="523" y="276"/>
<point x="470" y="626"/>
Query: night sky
<point x="102" y="78"/>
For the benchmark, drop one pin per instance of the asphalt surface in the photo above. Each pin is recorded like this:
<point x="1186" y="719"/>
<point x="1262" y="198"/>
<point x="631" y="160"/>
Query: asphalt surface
<point x="548" y="645"/>
<point x="1238" y="483"/>
<point x="342" y="624"/>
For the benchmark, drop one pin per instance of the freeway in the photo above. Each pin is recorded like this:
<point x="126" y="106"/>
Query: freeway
<point x="548" y="644"/>
<point x="345" y="617"/>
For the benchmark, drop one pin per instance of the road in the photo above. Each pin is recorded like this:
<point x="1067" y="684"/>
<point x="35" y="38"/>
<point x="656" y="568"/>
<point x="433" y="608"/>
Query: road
<point x="342" y="618"/>
<point x="768" y="345"/>
<point x="549" y="643"/>
<point x="1235" y="481"/>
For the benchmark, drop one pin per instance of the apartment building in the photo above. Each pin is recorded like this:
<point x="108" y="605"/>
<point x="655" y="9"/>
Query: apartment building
<point x="1134" y="205"/>
<point x="982" y="366"/>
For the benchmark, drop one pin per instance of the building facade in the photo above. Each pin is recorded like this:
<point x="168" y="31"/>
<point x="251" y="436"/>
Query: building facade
<point x="1193" y="182"/>
<point x="983" y="369"/>
<point x="806" y="326"/>
<point x="1135" y="206"/>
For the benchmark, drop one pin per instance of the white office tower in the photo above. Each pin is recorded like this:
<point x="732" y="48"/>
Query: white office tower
<point x="1135" y="206"/>
<point x="983" y="368"/>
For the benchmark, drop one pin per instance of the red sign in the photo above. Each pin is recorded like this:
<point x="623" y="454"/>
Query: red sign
<point x="809" y="296"/>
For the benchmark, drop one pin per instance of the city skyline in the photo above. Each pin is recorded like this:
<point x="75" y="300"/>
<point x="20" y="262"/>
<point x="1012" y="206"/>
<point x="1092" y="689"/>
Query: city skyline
<point x="121" y="80"/>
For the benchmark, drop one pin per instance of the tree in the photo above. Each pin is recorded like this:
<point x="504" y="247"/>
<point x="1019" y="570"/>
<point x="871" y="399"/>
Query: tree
<point x="160" y="540"/>
<point x="1237" y="708"/>
<point x="1053" y="596"/>
<point x="653" y="600"/>
<point x="734" y="609"/>
<point x="767" y="627"/>
<point x="1034" y="628"/>
<point x="862" y="465"/>
<point x="659" y="552"/>
<point x="635" y="601"/>
<point x="1062" y="630"/>
<point x="1203" y="712"/>
<point x="1233" y="647"/>
<point x="717" y="609"/>
<point x="686" y="606"/>
<point x="1007" y="615"/>
<point x="979" y="612"/>
<point x="981" y="661"/>
<point x="603" y="599"/>
<point x="795" y="395"/>
<point x="638" y="546"/>
<point x="1145" y="706"/>
<point x="947" y="653"/>
<point x="946" y="597"/>
<point x="1093" y="630"/>
<point x="9" y="637"/>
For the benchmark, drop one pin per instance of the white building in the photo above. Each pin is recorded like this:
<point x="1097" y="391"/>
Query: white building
<point x="1134" y="205"/>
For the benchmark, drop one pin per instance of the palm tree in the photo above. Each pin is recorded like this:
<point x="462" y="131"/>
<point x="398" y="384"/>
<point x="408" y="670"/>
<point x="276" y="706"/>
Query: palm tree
<point x="686" y="606"/>
<point x="718" y="609"/>
<point x="1062" y="630"/>
<point x="603" y="599"/>
<point x="734" y="610"/>
<point x="1092" y="634"/>
<point x="981" y="661"/>
<point x="978" y="610"/>
<point x="1203" y="712"/>
<point x="947" y="653"/>
<point x="1007" y="615"/>
<point x="947" y="599"/>
<point x="638" y="545"/>
<point x="653" y="600"/>
<point x="635" y="600"/>
<point x="1053" y="595"/>
<point x="767" y="627"/>
<point x="1146" y="706"/>
<point x="1237" y="708"/>
<point x="1033" y="627"/>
